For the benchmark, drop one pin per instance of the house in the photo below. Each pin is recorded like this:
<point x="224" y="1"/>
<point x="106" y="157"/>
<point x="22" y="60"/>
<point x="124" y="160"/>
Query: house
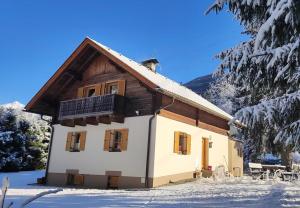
<point x="120" y="124"/>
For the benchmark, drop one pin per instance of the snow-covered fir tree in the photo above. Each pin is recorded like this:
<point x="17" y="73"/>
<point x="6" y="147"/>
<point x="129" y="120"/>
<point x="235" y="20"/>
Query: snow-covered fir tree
<point x="265" y="71"/>
<point x="24" y="139"/>
<point x="222" y="93"/>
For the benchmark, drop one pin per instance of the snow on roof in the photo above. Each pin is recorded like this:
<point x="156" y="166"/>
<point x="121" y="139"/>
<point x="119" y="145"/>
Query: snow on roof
<point x="169" y="86"/>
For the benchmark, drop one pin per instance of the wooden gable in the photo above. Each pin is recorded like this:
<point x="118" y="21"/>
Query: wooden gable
<point x="71" y="74"/>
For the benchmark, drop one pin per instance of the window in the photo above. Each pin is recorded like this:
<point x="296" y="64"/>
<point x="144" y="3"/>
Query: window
<point x="75" y="179"/>
<point x="70" y="179"/>
<point x="116" y="140"/>
<point x="75" y="141"/>
<point x="112" y="182"/>
<point x="91" y="92"/>
<point x="112" y="88"/>
<point x="182" y="143"/>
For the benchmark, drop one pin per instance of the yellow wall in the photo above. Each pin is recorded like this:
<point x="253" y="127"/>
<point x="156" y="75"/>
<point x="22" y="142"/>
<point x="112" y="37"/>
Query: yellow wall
<point x="166" y="162"/>
<point x="235" y="160"/>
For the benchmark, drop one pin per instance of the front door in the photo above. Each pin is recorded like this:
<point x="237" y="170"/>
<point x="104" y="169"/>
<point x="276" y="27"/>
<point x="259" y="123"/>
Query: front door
<point x="205" y="153"/>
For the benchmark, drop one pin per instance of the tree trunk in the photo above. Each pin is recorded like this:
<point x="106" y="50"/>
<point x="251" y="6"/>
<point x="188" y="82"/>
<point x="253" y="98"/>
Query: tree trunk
<point x="286" y="157"/>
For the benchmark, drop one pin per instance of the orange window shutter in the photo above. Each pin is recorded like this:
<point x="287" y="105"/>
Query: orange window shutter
<point x="80" y="92"/>
<point x="124" y="139"/>
<point x="69" y="140"/>
<point x="176" y="141"/>
<point x="82" y="140"/>
<point x="188" y="143"/>
<point x="98" y="89"/>
<point x="121" y="87"/>
<point x="107" y="140"/>
<point x="103" y="91"/>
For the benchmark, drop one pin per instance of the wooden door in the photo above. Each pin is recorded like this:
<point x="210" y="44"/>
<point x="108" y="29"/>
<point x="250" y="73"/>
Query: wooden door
<point x="205" y="153"/>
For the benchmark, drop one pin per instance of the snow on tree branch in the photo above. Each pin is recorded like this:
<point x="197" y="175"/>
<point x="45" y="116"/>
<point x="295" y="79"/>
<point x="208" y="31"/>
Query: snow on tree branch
<point x="265" y="70"/>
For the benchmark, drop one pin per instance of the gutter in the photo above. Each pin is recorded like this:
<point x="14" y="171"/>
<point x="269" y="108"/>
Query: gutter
<point x="149" y="140"/>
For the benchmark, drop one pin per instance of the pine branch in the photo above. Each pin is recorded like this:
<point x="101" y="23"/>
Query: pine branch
<point x="26" y="202"/>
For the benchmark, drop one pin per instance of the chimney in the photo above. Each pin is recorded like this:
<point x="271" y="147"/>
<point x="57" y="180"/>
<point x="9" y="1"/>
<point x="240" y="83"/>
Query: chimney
<point x="151" y="64"/>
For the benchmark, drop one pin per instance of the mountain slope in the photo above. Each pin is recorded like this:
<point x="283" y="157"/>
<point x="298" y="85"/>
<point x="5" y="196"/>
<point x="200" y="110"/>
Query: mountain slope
<point x="201" y="84"/>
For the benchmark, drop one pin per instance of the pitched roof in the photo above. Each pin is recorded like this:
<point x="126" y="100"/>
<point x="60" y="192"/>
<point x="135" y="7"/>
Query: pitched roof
<point x="169" y="86"/>
<point x="150" y="78"/>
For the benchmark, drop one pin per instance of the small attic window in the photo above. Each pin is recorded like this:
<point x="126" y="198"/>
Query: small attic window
<point x="91" y="92"/>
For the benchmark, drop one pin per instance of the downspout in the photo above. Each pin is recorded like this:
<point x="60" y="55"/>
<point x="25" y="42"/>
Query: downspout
<point x="149" y="141"/>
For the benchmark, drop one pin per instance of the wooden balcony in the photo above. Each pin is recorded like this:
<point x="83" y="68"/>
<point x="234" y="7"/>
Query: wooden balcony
<point x="95" y="109"/>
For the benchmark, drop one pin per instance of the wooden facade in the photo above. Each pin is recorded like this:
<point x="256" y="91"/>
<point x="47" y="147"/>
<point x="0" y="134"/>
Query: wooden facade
<point x="89" y="66"/>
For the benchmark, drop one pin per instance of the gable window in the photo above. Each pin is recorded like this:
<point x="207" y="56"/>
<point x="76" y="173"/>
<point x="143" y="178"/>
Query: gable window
<point x="105" y="88"/>
<point x="182" y="143"/>
<point x="75" y="141"/>
<point x="112" y="88"/>
<point x="91" y="92"/>
<point x="116" y="140"/>
<point x="115" y="87"/>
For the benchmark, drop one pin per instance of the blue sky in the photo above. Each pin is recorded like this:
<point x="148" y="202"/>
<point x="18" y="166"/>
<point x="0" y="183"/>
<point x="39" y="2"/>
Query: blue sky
<point x="37" y="36"/>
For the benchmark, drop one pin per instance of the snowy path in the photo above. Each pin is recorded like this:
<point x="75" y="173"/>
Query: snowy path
<point x="202" y="193"/>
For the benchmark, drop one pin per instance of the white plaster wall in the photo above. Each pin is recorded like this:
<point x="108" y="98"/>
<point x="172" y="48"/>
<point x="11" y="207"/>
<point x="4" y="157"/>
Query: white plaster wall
<point x="167" y="163"/>
<point x="93" y="160"/>
<point x="218" y="154"/>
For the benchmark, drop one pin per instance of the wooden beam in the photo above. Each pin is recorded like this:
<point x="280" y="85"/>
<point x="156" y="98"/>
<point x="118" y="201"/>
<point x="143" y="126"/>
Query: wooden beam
<point x="92" y="120"/>
<point x="177" y="117"/>
<point x="117" y="118"/>
<point x="69" y="123"/>
<point x="80" y="121"/>
<point x="104" y="119"/>
<point x="213" y="128"/>
<point x="74" y="74"/>
<point x="87" y="62"/>
<point x="193" y="122"/>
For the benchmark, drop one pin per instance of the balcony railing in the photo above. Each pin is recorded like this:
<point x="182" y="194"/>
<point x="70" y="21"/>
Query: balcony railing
<point x="91" y="106"/>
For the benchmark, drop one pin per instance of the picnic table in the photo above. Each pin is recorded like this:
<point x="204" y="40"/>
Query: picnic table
<point x="289" y="176"/>
<point x="273" y="167"/>
<point x="262" y="171"/>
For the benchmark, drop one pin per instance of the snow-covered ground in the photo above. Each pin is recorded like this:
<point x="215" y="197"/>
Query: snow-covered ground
<point x="202" y="193"/>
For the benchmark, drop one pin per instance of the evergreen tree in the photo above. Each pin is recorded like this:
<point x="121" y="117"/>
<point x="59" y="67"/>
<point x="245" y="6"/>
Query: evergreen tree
<point x="265" y="71"/>
<point x="222" y="93"/>
<point x="24" y="140"/>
